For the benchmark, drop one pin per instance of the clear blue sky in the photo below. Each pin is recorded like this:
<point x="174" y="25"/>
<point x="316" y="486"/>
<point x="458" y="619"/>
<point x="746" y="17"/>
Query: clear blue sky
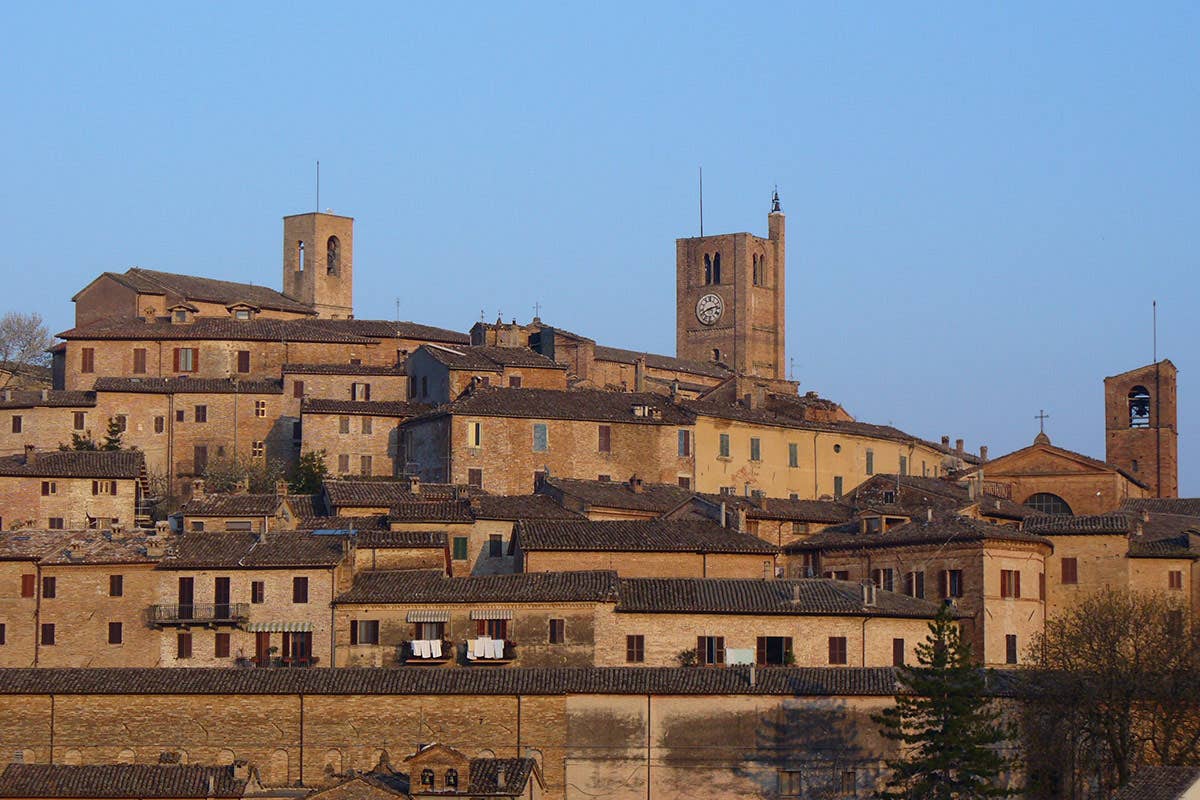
<point x="982" y="199"/>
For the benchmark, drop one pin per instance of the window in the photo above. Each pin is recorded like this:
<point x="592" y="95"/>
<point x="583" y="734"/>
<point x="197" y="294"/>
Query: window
<point x="114" y="633"/>
<point x="838" y="574"/>
<point x="179" y="415"/>
<point x="716" y="268"/>
<point x="883" y="578"/>
<point x="558" y="631"/>
<point x="635" y="649"/>
<point x="56" y="524"/>
<point x="197" y="524"/>
<point x="187" y="359"/>
<point x="116" y="585"/>
<point x="837" y="448"/>
<point x="199" y="459"/>
<point x="343" y="425"/>
<point x="183" y="645"/>
<point x="460" y="548"/>
<point x="241" y="313"/>
<point x="49" y="488"/>
<point x="799" y="528"/>
<point x="364" y="465"/>
<point x="914" y="584"/>
<point x="16" y="423"/>
<point x="2" y="632"/>
<point x="201" y="413"/>
<point x="1139" y="407"/>
<point x="364" y="631"/>
<point x="775" y="650"/>
<point x="685" y="481"/>
<point x="495" y="546"/>
<point x="257" y="591"/>
<point x="539" y="477"/>
<point x="1010" y="648"/>
<point x="333" y="255"/>
<point x="897" y="652"/>
<point x="950" y="583"/>
<point x="298" y="389"/>
<point x="451" y="779"/>
<point x="28" y="585"/>
<point x="514" y="382"/>
<point x="793" y="454"/>
<point x="368" y="425"/>
<point x="604" y="478"/>
<point x="849" y="787"/>
<point x="755" y="449"/>
<point x="1070" y="570"/>
<point x="540" y="436"/>
<point x="1046" y="503"/>
<point x="221" y="645"/>
<point x="790" y="784"/>
<point x="104" y="487"/>
<point x="160" y="424"/>
<point x="870" y="462"/>
<point x="710" y="650"/>
<point x="475" y="478"/>
<point x="837" y="487"/>
<point x="360" y="391"/>
<point x="427" y="778"/>
<point x="723" y="446"/>
<point x="257" y="449"/>
<point x="837" y="650"/>
<point x="1175" y="579"/>
<point x="260" y="408"/>
<point x="79" y="420"/>
<point x="47" y="633"/>
<point x="299" y="590"/>
<point x="49" y="587"/>
<point x="87" y="359"/>
<point x="243" y="357"/>
<point x="474" y="434"/>
<point x="605" y="444"/>
<point x="343" y="463"/>
<point x="707" y="269"/>
<point x="1010" y="583"/>
<point x="903" y="465"/>
<point x="685" y="444"/>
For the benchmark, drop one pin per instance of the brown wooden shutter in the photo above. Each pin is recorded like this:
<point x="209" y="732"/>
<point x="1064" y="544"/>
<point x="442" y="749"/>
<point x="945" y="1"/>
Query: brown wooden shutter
<point x="720" y="654"/>
<point x="353" y="631"/>
<point x="944" y="583"/>
<point x="1016" y="583"/>
<point x="175" y="362"/>
<point x="701" y="650"/>
<point x="761" y="655"/>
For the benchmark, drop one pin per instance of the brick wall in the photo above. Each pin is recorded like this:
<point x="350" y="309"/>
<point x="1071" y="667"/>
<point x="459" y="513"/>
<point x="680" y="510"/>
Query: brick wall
<point x="74" y="501"/>
<point x="83" y="608"/>
<point x="640" y="564"/>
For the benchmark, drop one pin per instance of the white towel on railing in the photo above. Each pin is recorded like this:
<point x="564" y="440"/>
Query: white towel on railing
<point x="470" y="649"/>
<point x="422" y="648"/>
<point x="436" y="648"/>
<point x="480" y="647"/>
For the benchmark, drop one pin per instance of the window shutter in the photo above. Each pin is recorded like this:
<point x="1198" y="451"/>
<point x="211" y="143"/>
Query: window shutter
<point x="720" y="659"/>
<point x="787" y="648"/>
<point x="761" y="654"/>
<point x="701" y="650"/>
<point x="944" y="583"/>
<point x="1016" y="583"/>
<point x="175" y="360"/>
<point x="353" y="631"/>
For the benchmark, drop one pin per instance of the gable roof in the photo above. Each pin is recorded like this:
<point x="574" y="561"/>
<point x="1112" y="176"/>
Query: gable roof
<point x="278" y="550"/>
<point x="259" y="329"/>
<point x="643" y="535"/>
<point x="595" y="405"/>
<point x="49" y="398"/>
<point x="653" y="497"/>
<point x="374" y="408"/>
<point x="1042" y="443"/>
<point x="395" y="329"/>
<point x="944" y="528"/>
<point x="1188" y="506"/>
<point x="119" y="781"/>
<point x="665" y="363"/>
<point x="210" y="290"/>
<point x="520" y="506"/>
<point x="489" y="358"/>
<point x="189" y="385"/>
<point x="432" y="586"/>
<point x="500" y="776"/>
<point x="344" y="369"/>
<point x="246" y="505"/>
<point x="359" y="493"/>
<point x="1159" y="783"/>
<point x="119" y="464"/>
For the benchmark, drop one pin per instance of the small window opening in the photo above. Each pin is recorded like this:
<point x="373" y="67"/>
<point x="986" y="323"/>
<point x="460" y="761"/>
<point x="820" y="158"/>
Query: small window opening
<point x="300" y="256"/>
<point x="716" y="268"/>
<point x="1139" y="407"/>
<point x="333" y="255"/>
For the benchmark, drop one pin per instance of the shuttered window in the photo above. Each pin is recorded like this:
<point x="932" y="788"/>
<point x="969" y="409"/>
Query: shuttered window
<point x="837" y="650"/>
<point x="1070" y="570"/>
<point x="605" y="444"/>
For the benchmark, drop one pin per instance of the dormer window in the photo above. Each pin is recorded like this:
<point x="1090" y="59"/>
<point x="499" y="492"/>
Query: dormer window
<point x="241" y="313"/>
<point x="182" y="313"/>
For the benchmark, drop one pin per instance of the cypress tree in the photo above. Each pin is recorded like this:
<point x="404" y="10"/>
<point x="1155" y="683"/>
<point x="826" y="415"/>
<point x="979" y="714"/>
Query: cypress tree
<point x="949" y="731"/>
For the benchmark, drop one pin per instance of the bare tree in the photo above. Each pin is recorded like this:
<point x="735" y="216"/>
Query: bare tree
<point x="24" y="341"/>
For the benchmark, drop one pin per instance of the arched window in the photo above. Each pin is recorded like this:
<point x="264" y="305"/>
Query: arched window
<point x="1139" y="407"/>
<point x="427" y="777"/>
<point x="716" y="268"/>
<point x="451" y="779"/>
<point x="716" y="354"/>
<point x="1046" y="503"/>
<point x="300" y="256"/>
<point x="333" y="255"/>
<point x="707" y="269"/>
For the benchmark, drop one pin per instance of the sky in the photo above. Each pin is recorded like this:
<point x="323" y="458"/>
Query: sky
<point x="983" y="200"/>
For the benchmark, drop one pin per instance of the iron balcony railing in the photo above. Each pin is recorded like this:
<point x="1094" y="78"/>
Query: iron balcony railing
<point x="200" y="614"/>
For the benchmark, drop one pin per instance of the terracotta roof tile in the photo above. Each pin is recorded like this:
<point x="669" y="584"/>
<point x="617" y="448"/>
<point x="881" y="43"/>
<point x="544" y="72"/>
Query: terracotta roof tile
<point x="187" y="385"/>
<point x="943" y="529"/>
<point x="243" y="550"/>
<point x="346" y="493"/>
<point x="649" y="535"/>
<point x="504" y="776"/>
<point x="432" y="586"/>
<point x="261" y="329"/>
<point x="1159" y="783"/>
<point x="666" y="363"/>
<point x="344" y="369"/>
<point x="120" y="464"/>
<point x="402" y="539"/>
<point x="370" y="522"/>
<point x="374" y="408"/>
<point x="389" y="329"/>
<point x="1187" y="506"/>
<point x="119" y="781"/>
<point x="653" y="497"/>
<point x="522" y="506"/>
<point x="492" y="359"/>
<point x="573" y="404"/>
<point x="209" y="290"/>
<point x="422" y="510"/>
<point x="51" y="398"/>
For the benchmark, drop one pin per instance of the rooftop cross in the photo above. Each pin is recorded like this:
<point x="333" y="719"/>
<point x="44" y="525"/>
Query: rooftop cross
<point x="1041" y="417"/>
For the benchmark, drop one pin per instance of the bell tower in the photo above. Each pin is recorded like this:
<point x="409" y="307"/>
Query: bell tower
<point x="729" y="299"/>
<point x="1141" y="435"/>
<point x="318" y="263"/>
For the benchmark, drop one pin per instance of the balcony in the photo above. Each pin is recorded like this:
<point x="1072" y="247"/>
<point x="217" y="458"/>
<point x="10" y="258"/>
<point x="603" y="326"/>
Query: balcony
<point x="208" y="615"/>
<point x="490" y="651"/>
<point x="431" y="652"/>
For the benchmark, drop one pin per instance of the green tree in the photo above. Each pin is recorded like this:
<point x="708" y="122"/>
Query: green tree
<point x="949" y="730"/>
<point x="79" y="441"/>
<point x="112" y="435"/>
<point x="308" y="474"/>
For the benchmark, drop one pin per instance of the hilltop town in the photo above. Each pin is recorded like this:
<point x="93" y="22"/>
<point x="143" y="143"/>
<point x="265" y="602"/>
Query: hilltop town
<point x="280" y="550"/>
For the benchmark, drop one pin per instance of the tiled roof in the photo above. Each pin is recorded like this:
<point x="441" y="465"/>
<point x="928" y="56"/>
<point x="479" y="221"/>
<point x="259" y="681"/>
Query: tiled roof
<point x="388" y="329"/>
<point x="29" y="545"/>
<point x="1183" y="545"/>
<point x="816" y="596"/>
<point x="373" y="408"/>
<point x="98" y="547"/>
<point x="503" y="776"/>
<point x="346" y="493"/>
<point x="521" y="506"/>
<point x="187" y="385"/>
<point x="209" y="290"/>
<point x="573" y="404"/>
<point x="1064" y="524"/>
<point x="51" y="398"/>
<point x="666" y="363"/>
<point x="492" y="359"/>
<point x="343" y="369"/>
<point x="231" y="505"/>
<point x="1187" y="506"/>
<point x="646" y="535"/>
<point x="653" y="497"/>
<point x="431" y="511"/>
<point x="243" y="550"/>
<point x="121" y="464"/>
<point x="119" y="781"/>
<point x="261" y="329"/>
<point x="432" y="586"/>
<point x="913" y="494"/>
<point x="402" y="539"/>
<point x="786" y="681"/>
<point x="945" y="528"/>
<point x="777" y="508"/>
<point x="1159" y="783"/>
<point x="371" y="522"/>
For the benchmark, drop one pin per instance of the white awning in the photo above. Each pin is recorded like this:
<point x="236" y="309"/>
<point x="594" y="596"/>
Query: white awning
<point x="428" y="615"/>
<point x="279" y="627"/>
<point x="492" y="613"/>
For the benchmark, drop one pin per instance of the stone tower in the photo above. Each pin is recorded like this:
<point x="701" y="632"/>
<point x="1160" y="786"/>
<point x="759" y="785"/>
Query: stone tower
<point x="729" y="299"/>
<point x="318" y="262"/>
<point x="1140" y="426"/>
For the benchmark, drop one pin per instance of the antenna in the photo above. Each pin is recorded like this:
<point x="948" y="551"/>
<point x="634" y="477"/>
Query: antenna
<point x="702" y="201"/>
<point x="1154" y="308"/>
<point x="397" y="309"/>
<point x="318" y="209"/>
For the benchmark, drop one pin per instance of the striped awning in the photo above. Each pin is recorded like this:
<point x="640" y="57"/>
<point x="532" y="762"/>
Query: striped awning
<point x="428" y="615"/>
<point x="492" y="613"/>
<point x="278" y="627"/>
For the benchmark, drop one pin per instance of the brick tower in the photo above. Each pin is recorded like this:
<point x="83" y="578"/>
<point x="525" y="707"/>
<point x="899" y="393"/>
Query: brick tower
<point x="318" y="262"/>
<point x="1140" y="426"/>
<point x="729" y="299"/>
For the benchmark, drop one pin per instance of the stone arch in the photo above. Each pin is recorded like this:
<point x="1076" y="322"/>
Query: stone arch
<point x="331" y="762"/>
<point x="278" y="768"/>
<point x="72" y="757"/>
<point x="126" y="756"/>
<point x="333" y="255"/>
<point x="225" y="758"/>
<point x="1048" y="503"/>
<point x="1139" y="407"/>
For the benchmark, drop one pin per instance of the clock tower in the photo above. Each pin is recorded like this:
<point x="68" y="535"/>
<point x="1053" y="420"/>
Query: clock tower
<point x="729" y="298"/>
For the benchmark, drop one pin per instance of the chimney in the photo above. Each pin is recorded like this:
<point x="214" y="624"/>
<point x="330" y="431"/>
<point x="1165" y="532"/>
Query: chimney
<point x="753" y="674"/>
<point x="281" y="488"/>
<point x="929" y="514"/>
<point x="972" y="489"/>
<point x="946" y="441"/>
<point x="155" y="547"/>
<point x="30" y="454"/>
<point x="7" y="395"/>
<point x="414" y="484"/>
<point x="958" y="446"/>
<point x="161" y="528"/>
<point x="739" y="519"/>
<point x="198" y="487"/>
<point x="639" y="374"/>
<point x="983" y="453"/>
<point x="241" y="770"/>
<point x="795" y="593"/>
<point x="117" y="528"/>
<point x="751" y="400"/>
<point x="868" y="594"/>
<point x="635" y="484"/>
<point x="212" y="786"/>
<point x="45" y="395"/>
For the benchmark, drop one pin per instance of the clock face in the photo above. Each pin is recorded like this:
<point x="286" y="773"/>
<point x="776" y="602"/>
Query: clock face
<point x="709" y="309"/>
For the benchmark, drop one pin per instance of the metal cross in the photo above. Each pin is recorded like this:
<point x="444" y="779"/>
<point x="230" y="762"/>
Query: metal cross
<point x="537" y="309"/>
<point x="1041" y="417"/>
